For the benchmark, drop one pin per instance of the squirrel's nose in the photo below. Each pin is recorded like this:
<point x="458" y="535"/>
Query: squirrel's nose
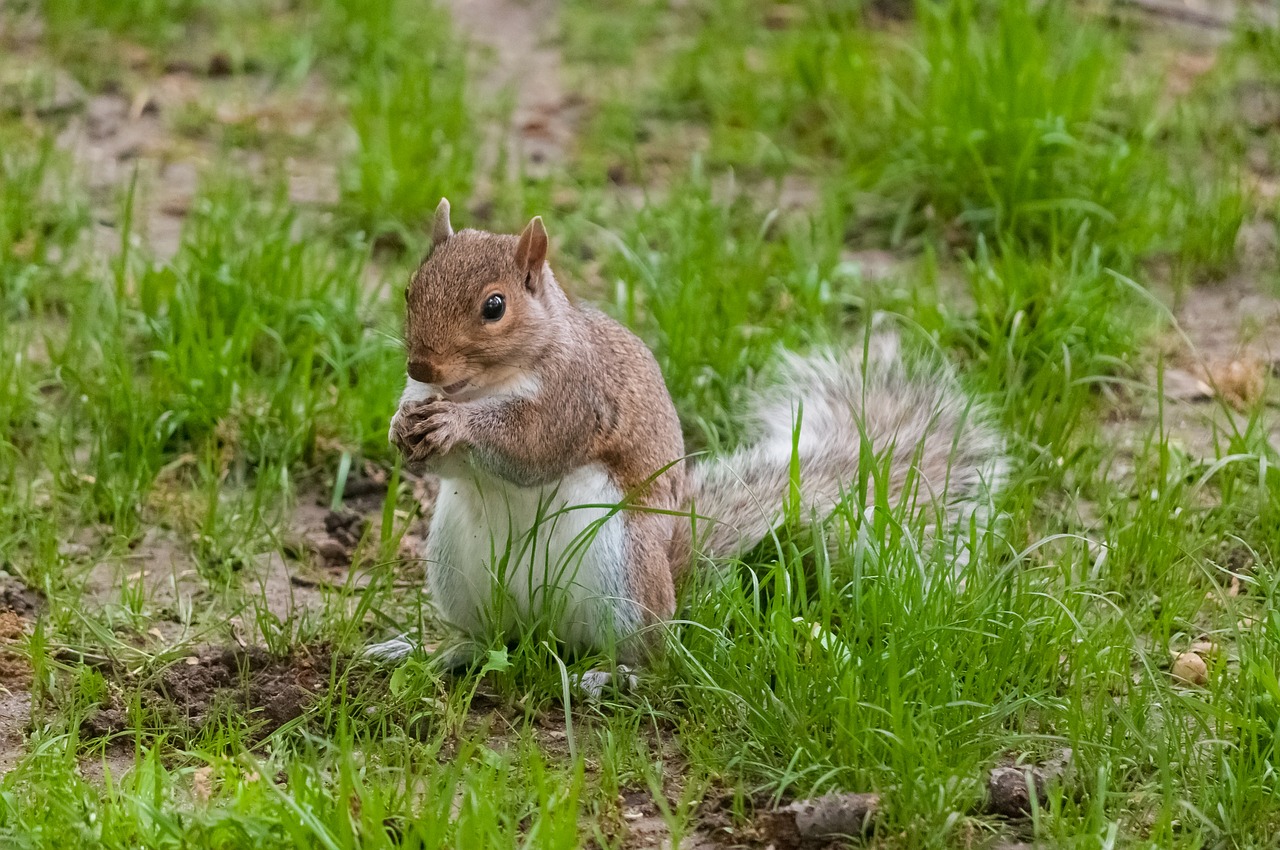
<point x="421" y="371"/>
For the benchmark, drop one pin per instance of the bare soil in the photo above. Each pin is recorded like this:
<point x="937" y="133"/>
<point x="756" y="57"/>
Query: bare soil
<point x="1220" y="362"/>
<point x="17" y="604"/>
<point x="216" y="681"/>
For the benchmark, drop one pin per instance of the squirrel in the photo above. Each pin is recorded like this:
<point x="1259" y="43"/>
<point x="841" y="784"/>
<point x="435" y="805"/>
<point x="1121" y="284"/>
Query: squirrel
<point x="565" y="492"/>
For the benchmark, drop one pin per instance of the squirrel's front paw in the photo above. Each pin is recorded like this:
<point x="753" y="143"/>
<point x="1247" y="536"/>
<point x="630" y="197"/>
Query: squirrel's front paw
<point x="426" y="429"/>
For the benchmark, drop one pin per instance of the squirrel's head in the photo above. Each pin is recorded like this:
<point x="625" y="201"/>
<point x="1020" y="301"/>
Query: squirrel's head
<point x="479" y="310"/>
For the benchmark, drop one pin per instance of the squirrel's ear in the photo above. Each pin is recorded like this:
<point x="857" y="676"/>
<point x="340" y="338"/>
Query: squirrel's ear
<point x="441" y="229"/>
<point x="531" y="253"/>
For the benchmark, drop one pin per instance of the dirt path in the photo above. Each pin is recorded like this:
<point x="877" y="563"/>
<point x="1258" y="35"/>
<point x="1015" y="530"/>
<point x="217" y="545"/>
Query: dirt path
<point x="520" y="57"/>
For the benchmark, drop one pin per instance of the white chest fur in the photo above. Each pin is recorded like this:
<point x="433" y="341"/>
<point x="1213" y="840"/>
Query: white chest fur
<point x="501" y="557"/>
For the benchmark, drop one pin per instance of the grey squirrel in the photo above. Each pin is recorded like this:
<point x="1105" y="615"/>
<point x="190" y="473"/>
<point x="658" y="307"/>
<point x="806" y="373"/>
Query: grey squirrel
<point x="565" y="494"/>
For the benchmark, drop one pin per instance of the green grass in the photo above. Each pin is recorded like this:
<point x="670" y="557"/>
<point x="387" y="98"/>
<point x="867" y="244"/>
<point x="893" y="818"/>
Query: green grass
<point x="41" y="216"/>
<point x="165" y="424"/>
<point x="985" y="119"/>
<point x="416" y="139"/>
<point x="150" y="20"/>
<point x="248" y="349"/>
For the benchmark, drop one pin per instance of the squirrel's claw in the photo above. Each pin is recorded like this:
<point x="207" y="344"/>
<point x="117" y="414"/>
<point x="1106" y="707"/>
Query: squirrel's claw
<point x="426" y="429"/>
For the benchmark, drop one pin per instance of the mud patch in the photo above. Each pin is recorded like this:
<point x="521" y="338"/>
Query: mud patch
<point x="646" y="826"/>
<point x="335" y="540"/>
<point x="157" y="569"/>
<point x="216" y="684"/>
<point x="168" y="127"/>
<point x="645" y="820"/>
<point x="114" y="761"/>
<point x="1230" y="320"/>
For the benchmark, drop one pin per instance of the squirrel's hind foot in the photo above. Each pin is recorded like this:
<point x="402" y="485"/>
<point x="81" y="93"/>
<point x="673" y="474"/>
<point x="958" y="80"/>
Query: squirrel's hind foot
<point x="391" y="651"/>
<point x="593" y="684"/>
<point x="447" y="659"/>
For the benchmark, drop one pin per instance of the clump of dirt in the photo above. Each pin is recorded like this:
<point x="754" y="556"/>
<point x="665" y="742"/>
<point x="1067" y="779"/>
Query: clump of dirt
<point x="15" y="682"/>
<point x="17" y="597"/>
<point x="218" y="682"/>
<point x="336" y="540"/>
<point x="14" y="669"/>
<point x="280" y="690"/>
<point x="331" y="537"/>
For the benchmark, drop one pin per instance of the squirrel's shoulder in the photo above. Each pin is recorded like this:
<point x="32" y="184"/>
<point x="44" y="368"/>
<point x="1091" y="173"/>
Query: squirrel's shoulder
<point x="614" y="339"/>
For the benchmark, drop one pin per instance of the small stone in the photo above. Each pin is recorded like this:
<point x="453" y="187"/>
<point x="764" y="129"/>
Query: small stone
<point x="834" y="815"/>
<point x="1010" y="788"/>
<point x="1190" y="669"/>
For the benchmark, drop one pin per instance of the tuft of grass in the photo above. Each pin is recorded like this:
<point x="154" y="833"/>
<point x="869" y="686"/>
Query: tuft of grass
<point x="356" y="790"/>
<point x="254" y="350"/>
<point x="152" y="21"/>
<point x="41" y="216"/>
<point x="1003" y="122"/>
<point x="1014" y="121"/>
<point x="414" y="143"/>
<point x="414" y="133"/>
<point x="89" y="36"/>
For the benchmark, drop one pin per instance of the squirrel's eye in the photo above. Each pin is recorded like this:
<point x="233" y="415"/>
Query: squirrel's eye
<point x="494" y="306"/>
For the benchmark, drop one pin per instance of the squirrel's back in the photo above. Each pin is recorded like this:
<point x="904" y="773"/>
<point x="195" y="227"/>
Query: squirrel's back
<point x="641" y="433"/>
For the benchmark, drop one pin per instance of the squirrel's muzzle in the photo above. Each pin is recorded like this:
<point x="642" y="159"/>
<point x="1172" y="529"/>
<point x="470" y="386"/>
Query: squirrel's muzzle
<point x="422" y="372"/>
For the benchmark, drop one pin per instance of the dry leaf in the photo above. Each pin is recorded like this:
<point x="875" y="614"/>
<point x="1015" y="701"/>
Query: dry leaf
<point x="1241" y="382"/>
<point x="202" y="784"/>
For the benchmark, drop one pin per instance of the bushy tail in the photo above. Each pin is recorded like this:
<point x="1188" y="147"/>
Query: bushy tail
<point x="942" y="445"/>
